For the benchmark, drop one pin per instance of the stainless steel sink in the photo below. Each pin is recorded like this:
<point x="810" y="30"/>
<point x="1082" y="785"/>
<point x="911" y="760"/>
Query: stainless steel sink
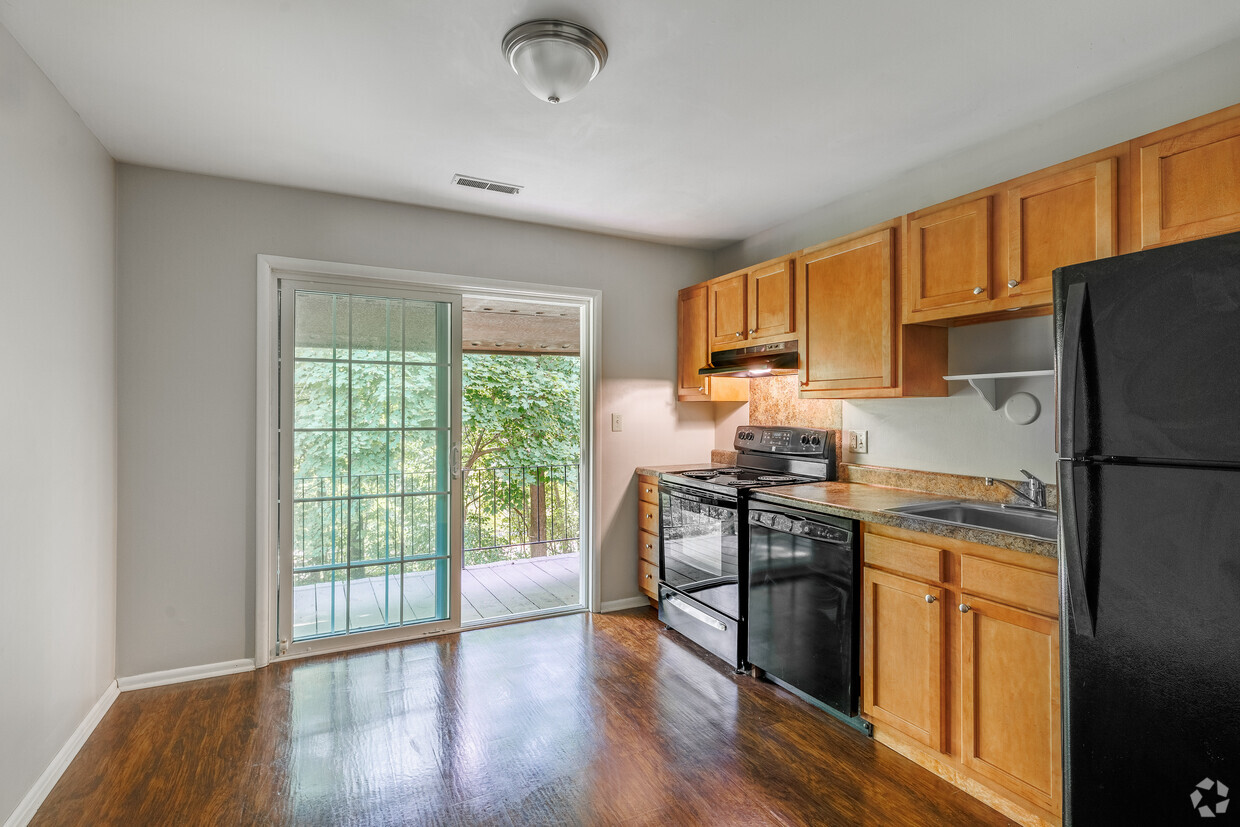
<point x="1040" y="523"/>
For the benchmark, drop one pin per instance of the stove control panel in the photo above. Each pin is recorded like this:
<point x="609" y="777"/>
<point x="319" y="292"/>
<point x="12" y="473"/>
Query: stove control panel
<point x="809" y="442"/>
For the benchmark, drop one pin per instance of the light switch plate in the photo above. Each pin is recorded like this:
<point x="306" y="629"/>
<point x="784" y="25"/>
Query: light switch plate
<point x="859" y="441"/>
<point x="617" y="424"/>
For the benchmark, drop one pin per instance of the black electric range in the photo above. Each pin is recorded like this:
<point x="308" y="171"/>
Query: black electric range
<point x="703" y="547"/>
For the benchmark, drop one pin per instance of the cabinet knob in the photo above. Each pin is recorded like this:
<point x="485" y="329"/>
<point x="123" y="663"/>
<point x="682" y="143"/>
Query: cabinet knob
<point x="1012" y="282"/>
<point x="648" y="545"/>
<point x="739" y="334"/>
<point x="701" y="389"/>
<point x="753" y="330"/>
<point x="930" y="598"/>
<point x="649" y="516"/>
<point x="964" y="607"/>
<point x="977" y="291"/>
<point x="649" y="576"/>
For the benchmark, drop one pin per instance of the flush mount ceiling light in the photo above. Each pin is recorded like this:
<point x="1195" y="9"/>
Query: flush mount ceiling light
<point x="554" y="59"/>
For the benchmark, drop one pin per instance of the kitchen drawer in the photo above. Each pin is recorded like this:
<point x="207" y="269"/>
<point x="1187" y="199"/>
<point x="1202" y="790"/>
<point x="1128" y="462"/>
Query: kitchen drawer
<point x="648" y="518"/>
<point x="648" y="489"/>
<point x="648" y="547"/>
<point x="1014" y="585"/>
<point x="912" y="559"/>
<point x="648" y="579"/>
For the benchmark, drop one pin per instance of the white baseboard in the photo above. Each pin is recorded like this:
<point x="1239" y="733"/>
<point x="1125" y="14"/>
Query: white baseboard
<point x="186" y="673"/>
<point x="624" y="603"/>
<point x="38" y="793"/>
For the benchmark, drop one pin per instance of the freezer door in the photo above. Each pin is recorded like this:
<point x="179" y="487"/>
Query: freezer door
<point x="1148" y="353"/>
<point x="1150" y="692"/>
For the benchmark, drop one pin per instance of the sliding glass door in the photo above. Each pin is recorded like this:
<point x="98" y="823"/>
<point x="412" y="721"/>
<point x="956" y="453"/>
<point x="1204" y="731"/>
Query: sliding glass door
<point x="369" y="463"/>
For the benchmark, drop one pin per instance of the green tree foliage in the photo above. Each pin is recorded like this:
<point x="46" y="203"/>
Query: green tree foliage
<point x="520" y="440"/>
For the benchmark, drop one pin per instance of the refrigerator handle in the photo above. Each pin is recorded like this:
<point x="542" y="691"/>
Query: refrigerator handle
<point x="1073" y="558"/>
<point x="1074" y="314"/>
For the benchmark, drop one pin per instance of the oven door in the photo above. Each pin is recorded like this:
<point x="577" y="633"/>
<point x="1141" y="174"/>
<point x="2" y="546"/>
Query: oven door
<point x="699" y="541"/>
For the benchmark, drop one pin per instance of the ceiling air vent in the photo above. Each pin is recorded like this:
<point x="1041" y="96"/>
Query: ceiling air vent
<point x="483" y="184"/>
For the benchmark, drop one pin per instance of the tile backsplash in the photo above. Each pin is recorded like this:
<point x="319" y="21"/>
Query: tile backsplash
<point x="775" y="400"/>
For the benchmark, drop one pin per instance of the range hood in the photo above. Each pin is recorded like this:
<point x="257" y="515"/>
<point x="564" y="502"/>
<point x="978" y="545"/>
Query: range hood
<point x="774" y="359"/>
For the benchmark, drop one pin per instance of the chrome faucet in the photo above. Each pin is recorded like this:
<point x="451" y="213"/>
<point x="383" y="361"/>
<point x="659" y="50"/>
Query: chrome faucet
<point x="1033" y="489"/>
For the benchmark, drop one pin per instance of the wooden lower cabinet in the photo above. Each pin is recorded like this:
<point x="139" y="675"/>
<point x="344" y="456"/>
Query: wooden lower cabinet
<point x="960" y="669"/>
<point x="648" y="536"/>
<point x="903" y="629"/>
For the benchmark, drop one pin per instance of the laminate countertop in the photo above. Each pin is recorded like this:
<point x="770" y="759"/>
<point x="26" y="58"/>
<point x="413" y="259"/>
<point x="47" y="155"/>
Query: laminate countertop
<point x="871" y="504"/>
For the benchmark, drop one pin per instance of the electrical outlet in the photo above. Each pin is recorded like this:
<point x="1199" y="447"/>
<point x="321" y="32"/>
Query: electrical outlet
<point x="859" y="441"/>
<point x="617" y="424"/>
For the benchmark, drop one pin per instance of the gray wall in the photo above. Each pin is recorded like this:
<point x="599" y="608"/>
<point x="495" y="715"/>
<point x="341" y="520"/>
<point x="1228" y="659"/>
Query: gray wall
<point x="58" y="417"/>
<point x="958" y="434"/>
<point x="187" y="247"/>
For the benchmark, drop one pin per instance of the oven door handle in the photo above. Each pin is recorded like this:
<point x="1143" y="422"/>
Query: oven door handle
<point x="681" y="494"/>
<point x="697" y="614"/>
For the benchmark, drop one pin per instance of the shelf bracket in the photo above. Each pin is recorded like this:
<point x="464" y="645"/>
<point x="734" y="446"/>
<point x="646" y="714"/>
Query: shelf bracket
<point x="984" y="383"/>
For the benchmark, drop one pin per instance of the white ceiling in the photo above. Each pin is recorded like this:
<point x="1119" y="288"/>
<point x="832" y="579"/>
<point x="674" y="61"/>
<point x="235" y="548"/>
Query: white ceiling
<point x="713" y="119"/>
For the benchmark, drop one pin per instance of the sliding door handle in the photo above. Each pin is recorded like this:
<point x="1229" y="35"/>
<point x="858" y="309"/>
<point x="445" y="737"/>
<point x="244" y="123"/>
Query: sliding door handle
<point x="455" y="460"/>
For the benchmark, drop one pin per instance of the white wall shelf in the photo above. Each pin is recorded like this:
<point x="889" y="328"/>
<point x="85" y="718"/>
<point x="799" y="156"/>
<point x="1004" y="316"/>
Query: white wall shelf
<point x="984" y="383"/>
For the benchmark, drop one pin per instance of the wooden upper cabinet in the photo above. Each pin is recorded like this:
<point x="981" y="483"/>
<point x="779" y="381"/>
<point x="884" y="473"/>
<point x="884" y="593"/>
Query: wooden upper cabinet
<point x="1188" y="180"/>
<point x="753" y="306"/>
<point x="903" y="650"/>
<point x="949" y="260"/>
<point x="693" y="352"/>
<point x="846" y="313"/>
<point x="1010" y="708"/>
<point x="1056" y="218"/>
<point x="728" y="314"/>
<point x="770" y="293"/>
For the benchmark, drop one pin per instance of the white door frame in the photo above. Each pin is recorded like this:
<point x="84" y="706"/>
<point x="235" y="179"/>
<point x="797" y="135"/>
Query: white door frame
<point x="266" y="482"/>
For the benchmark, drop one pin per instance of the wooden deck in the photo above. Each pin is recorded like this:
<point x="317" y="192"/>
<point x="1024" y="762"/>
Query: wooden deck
<point x="488" y="591"/>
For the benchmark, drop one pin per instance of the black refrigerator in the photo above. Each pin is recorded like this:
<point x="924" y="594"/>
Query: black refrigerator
<point x="1148" y="378"/>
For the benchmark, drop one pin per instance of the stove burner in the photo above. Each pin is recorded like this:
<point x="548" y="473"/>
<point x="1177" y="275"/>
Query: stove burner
<point x="778" y="478"/>
<point x="701" y="475"/>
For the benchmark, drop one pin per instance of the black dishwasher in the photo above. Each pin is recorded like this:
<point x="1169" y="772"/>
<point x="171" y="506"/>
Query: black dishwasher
<point x="804" y="619"/>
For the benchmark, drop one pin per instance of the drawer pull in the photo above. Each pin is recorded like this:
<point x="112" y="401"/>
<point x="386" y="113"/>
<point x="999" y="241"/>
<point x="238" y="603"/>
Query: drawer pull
<point x="977" y="291"/>
<point x="930" y="598"/>
<point x="964" y="607"/>
<point x="697" y="614"/>
<point x="649" y="576"/>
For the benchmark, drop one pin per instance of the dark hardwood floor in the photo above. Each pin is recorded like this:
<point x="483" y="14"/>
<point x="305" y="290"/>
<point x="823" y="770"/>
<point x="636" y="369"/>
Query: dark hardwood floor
<point x="578" y="720"/>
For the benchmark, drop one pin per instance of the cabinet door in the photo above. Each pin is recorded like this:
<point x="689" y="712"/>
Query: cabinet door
<point x="902" y="685"/>
<point x="727" y="311"/>
<point x="1189" y="180"/>
<point x="771" y="314"/>
<point x="1009" y="664"/>
<point x="1060" y="219"/>
<point x="692" y="352"/>
<point x="848" y="314"/>
<point x="949" y="259"/>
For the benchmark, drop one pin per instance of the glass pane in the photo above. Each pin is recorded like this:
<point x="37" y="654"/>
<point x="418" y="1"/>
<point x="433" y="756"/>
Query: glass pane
<point x="319" y="601"/>
<point x="374" y="529"/>
<point x="423" y="334"/>
<point x="320" y="464"/>
<point x="426" y="461"/>
<point x="319" y="533"/>
<point x="374" y="463"/>
<point x="314" y="403"/>
<point x="368" y="589"/>
<point x="424" y="526"/>
<point x="424" y="387"/>
<point x="356" y="454"/>
<point x="369" y="396"/>
<point x="426" y="591"/>
<point x="315" y="336"/>
<point x="375" y="332"/>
